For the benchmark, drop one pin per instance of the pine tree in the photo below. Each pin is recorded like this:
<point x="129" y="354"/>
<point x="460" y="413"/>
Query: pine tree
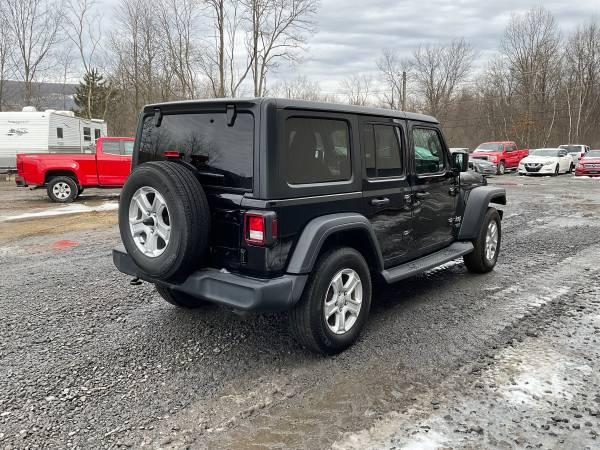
<point x="92" y="95"/>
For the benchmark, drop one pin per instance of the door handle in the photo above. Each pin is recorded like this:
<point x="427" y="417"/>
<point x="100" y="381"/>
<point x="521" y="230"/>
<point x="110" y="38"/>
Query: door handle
<point x="380" y="201"/>
<point x="422" y="194"/>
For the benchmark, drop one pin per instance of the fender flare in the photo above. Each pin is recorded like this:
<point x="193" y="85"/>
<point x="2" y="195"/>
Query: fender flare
<point x="477" y="204"/>
<point x="317" y="231"/>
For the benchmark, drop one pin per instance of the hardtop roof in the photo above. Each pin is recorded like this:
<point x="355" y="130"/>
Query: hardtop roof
<point x="285" y="103"/>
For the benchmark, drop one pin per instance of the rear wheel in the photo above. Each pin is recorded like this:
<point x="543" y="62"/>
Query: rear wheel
<point x="335" y="304"/>
<point x="177" y="298"/>
<point x="487" y="245"/>
<point x="62" y="189"/>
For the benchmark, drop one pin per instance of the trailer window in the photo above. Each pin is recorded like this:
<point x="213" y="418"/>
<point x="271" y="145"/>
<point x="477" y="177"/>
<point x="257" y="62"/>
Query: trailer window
<point x="87" y="134"/>
<point x="96" y="133"/>
<point x="59" y="133"/>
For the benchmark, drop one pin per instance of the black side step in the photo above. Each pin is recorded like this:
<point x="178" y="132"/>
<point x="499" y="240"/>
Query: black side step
<point x="424" y="263"/>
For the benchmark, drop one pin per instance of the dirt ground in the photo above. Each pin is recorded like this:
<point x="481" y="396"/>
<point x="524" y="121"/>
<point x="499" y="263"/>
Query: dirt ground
<point x="448" y="359"/>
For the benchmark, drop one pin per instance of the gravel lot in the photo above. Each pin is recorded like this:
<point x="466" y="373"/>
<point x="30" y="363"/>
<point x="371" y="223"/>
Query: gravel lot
<point x="87" y="360"/>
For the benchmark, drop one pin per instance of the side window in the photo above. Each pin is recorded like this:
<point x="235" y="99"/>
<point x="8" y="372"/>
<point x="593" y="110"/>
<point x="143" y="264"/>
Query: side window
<point x="87" y="134"/>
<point x="111" y="147"/>
<point x="382" y="151"/>
<point x="429" y="153"/>
<point x="514" y="147"/>
<point x="128" y="147"/>
<point x="59" y="133"/>
<point x="318" y="150"/>
<point x="96" y="133"/>
<point x="508" y="148"/>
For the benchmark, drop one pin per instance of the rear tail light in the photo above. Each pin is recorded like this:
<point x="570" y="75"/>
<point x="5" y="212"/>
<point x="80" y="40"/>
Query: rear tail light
<point x="171" y="154"/>
<point x="260" y="228"/>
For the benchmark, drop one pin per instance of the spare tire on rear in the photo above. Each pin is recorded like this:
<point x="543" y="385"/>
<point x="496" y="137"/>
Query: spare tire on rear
<point x="164" y="219"/>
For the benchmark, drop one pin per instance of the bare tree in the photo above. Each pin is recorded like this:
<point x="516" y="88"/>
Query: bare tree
<point x="393" y="73"/>
<point x="35" y="27"/>
<point x="530" y="47"/>
<point x="357" y="89"/>
<point x="178" y="20"/>
<point x="278" y="29"/>
<point x="582" y="57"/>
<point x="6" y="53"/>
<point x="300" y="88"/>
<point x="438" y="70"/>
<point x="82" y="26"/>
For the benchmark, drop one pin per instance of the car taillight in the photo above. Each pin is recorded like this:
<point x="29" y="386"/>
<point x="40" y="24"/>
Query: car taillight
<point x="260" y="228"/>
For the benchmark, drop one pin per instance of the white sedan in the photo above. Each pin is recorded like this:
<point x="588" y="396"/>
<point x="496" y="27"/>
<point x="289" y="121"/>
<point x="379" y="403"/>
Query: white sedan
<point x="546" y="161"/>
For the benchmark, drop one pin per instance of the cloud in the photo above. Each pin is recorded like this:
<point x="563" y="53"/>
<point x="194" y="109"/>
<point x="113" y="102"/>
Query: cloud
<point x="353" y="33"/>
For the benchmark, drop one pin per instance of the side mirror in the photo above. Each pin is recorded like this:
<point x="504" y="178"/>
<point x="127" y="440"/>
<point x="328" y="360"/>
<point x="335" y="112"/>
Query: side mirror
<point x="460" y="162"/>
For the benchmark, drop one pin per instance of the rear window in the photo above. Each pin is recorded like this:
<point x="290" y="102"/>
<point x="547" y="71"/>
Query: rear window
<point x="112" y="147"/>
<point x="489" y="147"/>
<point x="207" y="142"/>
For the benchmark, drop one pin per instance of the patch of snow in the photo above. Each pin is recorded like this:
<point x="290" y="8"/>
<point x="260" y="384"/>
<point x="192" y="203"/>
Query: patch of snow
<point x="75" y="208"/>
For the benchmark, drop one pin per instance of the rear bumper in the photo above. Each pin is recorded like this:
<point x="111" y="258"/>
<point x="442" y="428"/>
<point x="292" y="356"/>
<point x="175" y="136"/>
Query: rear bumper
<point x="20" y="181"/>
<point x="228" y="289"/>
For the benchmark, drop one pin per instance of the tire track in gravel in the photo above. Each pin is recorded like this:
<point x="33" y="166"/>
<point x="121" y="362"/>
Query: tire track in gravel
<point x="301" y="419"/>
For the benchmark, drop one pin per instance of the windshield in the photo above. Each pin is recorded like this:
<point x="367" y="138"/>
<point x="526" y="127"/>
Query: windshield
<point x="489" y="147"/>
<point x="572" y="148"/>
<point x="207" y="142"/>
<point x="545" y="152"/>
<point x="593" y="154"/>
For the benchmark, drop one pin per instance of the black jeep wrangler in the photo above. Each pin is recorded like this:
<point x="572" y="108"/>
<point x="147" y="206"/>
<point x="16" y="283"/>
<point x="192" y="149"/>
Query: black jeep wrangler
<point x="271" y="205"/>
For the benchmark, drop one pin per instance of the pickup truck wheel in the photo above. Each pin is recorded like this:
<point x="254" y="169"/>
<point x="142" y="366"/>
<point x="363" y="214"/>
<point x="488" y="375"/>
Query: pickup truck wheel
<point x="62" y="189"/>
<point x="335" y="304"/>
<point x="164" y="219"/>
<point x="501" y="168"/>
<point x="177" y="298"/>
<point x="487" y="246"/>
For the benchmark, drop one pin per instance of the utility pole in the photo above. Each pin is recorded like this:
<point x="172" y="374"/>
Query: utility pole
<point x="403" y="90"/>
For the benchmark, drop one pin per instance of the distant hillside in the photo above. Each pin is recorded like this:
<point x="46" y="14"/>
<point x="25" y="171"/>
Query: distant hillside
<point x="45" y="96"/>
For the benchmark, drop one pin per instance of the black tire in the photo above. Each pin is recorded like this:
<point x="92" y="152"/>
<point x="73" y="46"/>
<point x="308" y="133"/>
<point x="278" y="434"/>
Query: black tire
<point x="501" y="168"/>
<point x="62" y="189"/>
<point x="571" y="167"/>
<point x="188" y="213"/>
<point x="81" y="189"/>
<point x="477" y="261"/>
<point x="177" y="298"/>
<point x="307" y="320"/>
<point x="557" y="170"/>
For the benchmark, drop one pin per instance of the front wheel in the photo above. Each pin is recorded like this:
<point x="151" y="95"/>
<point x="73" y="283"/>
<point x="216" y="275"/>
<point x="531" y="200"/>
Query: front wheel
<point x="62" y="189"/>
<point x="487" y="245"/>
<point x="335" y="304"/>
<point x="501" y="168"/>
<point x="557" y="170"/>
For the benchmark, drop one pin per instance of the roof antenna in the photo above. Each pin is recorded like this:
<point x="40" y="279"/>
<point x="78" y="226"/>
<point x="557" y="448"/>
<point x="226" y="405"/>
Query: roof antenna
<point x="231" y="115"/>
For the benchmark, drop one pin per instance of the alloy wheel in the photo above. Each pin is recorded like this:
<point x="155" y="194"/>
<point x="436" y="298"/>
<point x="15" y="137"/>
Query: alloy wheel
<point x="491" y="240"/>
<point x="61" y="190"/>
<point x="149" y="221"/>
<point x="343" y="301"/>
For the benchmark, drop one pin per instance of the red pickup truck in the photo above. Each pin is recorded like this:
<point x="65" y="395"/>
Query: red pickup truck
<point x="65" y="175"/>
<point x="505" y="154"/>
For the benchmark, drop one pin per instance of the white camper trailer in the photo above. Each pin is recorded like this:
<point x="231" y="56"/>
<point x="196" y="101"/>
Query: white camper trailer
<point x="50" y="131"/>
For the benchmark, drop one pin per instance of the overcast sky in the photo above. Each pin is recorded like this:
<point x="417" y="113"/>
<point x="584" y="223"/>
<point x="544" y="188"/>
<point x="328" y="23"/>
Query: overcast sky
<point x="352" y="33"/>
